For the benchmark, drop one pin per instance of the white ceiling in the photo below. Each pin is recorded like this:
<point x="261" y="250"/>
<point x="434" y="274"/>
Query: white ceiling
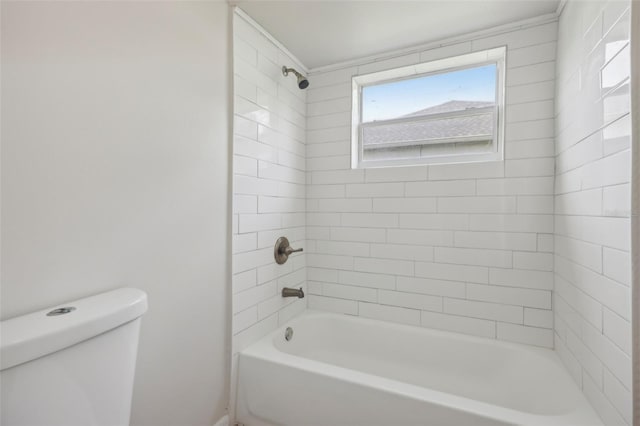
<point x="327" y="32"/>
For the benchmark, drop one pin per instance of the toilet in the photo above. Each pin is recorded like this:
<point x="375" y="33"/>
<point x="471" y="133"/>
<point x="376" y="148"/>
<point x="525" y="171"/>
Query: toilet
<point x="72" y="364"/>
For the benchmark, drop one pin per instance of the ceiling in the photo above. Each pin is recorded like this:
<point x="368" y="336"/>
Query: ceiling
<point x="327" y="32"/>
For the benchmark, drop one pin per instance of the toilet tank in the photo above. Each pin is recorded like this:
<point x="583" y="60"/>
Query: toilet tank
<point x="74" y="366"/>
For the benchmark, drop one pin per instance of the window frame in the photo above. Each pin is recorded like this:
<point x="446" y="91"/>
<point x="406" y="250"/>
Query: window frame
<point x="495" y="56"/>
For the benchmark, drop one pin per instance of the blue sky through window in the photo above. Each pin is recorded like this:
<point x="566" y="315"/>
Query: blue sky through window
<point x="393" y="100"/>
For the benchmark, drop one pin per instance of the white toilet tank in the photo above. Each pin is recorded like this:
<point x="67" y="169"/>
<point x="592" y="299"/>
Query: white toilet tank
<point x="74" y="368"/>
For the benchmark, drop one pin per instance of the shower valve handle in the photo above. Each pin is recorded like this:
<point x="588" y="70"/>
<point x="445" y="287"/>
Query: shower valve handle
<point x="290" y="250"/>
<point x="282" y="250"/>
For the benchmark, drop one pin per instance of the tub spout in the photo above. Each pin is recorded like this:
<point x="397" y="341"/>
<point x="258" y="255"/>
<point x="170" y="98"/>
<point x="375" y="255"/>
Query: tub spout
<point x="293" y="292"/>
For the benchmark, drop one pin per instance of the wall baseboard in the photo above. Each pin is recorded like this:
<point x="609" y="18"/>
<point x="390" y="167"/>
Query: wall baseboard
<point x="224" y="421"/>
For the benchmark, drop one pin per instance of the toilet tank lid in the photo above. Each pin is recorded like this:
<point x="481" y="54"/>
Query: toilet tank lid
<point x="34" y="335"/>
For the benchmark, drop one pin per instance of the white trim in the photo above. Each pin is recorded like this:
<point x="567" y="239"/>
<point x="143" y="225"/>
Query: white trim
<point x="560" y="7"/>
<point x="526" y="23"/>
<point x="635" y="210"/>
<point x="511" y="26"/>
<point x="434" y="160"/>
<point x="242" y="14"/>
<point x="495" y="56"/>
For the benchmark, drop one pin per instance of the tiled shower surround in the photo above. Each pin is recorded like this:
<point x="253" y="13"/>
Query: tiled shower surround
<point x="459" y="247"/>
<point x="533" y="249"/>
<point x="592" y="297"/>
<point x="268" y="184"/>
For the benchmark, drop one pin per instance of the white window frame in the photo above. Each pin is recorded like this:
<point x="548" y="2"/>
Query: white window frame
<point x="491" y="56"/>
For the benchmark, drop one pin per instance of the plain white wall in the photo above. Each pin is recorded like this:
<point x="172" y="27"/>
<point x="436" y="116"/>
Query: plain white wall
<point x="115" y="151"/>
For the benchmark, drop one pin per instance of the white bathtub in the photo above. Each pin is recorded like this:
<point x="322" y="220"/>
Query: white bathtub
<point x="341" y="370"/>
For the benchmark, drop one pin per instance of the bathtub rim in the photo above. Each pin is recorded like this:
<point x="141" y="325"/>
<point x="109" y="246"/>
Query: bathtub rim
<point x="265" y="349"/>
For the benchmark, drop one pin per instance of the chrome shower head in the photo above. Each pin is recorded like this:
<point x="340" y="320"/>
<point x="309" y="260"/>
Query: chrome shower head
<point x="303" y="83"/>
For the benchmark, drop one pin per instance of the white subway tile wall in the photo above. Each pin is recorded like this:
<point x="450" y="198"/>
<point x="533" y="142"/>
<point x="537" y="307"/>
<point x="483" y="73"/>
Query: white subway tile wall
<point x="532" y="250"/>
<point x="459" y="247"/>
<point x="269" y="187"/>
<point x="592" y="297"/>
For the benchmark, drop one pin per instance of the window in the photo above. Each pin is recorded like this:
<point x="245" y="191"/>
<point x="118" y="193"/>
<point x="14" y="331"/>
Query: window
<point x="445" y="111"/>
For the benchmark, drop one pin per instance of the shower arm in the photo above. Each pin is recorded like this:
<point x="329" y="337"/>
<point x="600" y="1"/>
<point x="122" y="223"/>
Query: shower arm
<point x="286" y="71"/>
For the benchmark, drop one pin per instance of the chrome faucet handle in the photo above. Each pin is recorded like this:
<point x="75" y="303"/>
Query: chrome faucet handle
<point x="282" y="250"/>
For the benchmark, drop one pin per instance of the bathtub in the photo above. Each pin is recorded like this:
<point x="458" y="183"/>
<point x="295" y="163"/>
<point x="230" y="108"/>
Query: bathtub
<point x="343" y="370"/>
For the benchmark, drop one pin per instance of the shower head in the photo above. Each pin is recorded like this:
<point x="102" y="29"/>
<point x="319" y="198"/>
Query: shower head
<point x="303" y="83"/>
